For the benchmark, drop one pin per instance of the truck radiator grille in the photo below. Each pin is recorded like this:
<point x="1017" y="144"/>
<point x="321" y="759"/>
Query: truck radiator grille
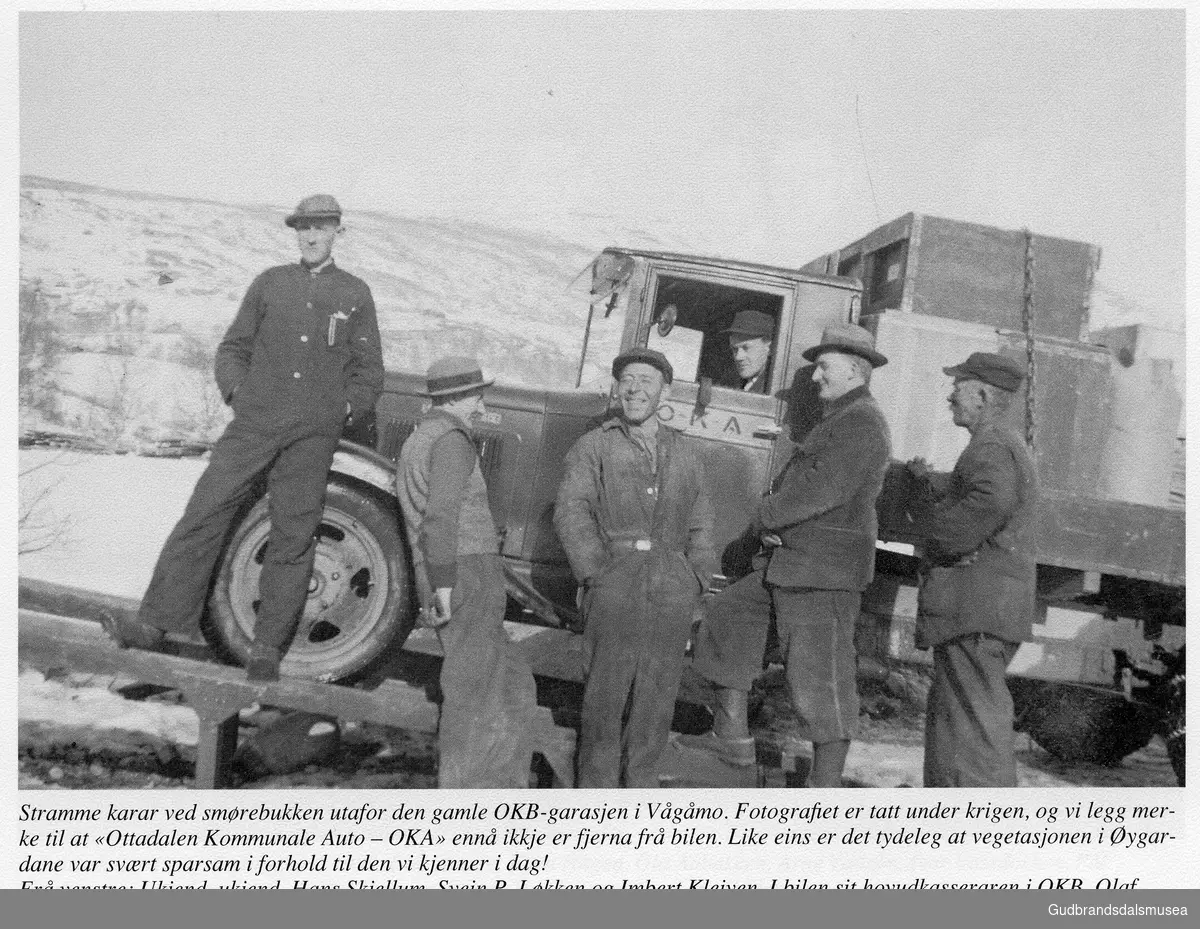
<point x="489" y="443"/>
<point x="392" y="436"/>
<point x="491" y="453"/>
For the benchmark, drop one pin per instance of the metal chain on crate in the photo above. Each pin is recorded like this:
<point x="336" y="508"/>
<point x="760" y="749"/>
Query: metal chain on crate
<point x="1027" y="319"/>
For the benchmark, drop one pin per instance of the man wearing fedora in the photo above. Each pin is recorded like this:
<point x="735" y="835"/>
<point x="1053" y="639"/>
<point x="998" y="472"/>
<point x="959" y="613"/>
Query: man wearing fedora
<point x="301" y="358"/>
<point x="750" y="337"/>
<point x="978" y="579"/>
<point x="636" y="521"/>
<point x="488" y="691"/>
<point x="818" y="528"/>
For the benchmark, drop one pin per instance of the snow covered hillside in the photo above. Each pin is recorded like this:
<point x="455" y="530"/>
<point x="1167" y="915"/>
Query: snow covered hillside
<point x="138" y="288"/>
<point x="133" y="282"/>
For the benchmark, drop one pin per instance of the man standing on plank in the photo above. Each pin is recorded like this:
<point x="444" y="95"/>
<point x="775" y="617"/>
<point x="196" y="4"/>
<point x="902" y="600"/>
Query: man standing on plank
<point x="301" y="358"/>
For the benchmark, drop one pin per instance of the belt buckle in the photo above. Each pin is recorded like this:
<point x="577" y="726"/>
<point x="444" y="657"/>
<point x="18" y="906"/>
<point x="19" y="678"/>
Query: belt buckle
<point x="642" y="545"/>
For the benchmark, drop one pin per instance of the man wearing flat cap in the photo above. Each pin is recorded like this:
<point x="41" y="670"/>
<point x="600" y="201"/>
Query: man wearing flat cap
<point x="818" y="525"/>
<point x="978" y="579"/>
<point x="636" y="521"/>
<point x="300" y="359"/>
<point x="488" y="691"/>
<point x="750" y="337"/>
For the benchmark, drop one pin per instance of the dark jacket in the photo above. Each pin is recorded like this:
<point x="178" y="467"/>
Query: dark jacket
<point x="822" y="504"/>
<point x="301" y="346"/>
<point x="979" y="571"/>
<point x="609" y="500"/>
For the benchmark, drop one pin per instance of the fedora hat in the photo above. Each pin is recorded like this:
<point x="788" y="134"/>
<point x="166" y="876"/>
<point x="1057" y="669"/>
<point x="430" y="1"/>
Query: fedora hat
<point x="848" y="339"/>
<point x="991" y="369"/>
<point x="454" y="375"/>
<point x="318" y="206"/>
<point x="751" y="323"/>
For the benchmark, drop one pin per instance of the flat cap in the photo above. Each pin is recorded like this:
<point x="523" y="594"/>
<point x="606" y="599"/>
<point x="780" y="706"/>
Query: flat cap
<point x="848" y="339"/>
<point x="991" y="369"/>
<point x="752" y="323"/>
<point x="454" y="375"/>
<point x="645" y="356"/>
<point x="318" y="206"/>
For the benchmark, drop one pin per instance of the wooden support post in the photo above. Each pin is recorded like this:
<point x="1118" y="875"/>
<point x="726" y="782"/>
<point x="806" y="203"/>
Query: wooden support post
<point x="218" y="738"/>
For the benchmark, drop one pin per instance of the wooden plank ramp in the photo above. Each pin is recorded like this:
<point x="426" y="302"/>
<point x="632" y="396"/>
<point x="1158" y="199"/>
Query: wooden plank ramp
<point x="218" y="692"/>
<point x="59" y="628"/>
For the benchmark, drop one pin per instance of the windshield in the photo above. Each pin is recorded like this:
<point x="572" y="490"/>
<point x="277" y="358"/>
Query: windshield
<point x="609" y="299"/>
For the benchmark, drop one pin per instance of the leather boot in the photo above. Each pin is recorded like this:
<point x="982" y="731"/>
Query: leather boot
<point x="829" y="758"/>
<point x="262" y="664"/>
<point x="729" y="739"/>
<point x="128" y="632"/>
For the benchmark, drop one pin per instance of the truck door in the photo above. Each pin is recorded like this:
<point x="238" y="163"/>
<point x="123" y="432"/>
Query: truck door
<point x="687" y="315"/>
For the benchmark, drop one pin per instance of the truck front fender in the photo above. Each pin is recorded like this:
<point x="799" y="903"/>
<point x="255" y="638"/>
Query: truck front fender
<point x="364" y="464"/>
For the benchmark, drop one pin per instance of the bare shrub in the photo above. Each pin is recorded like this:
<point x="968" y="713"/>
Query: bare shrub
<point x="41" y="345"/>
<point x="129" y="326"/>
<point x="38" y="526"/>
<point x="196" y="353"/>
<point x="206" y="417"/>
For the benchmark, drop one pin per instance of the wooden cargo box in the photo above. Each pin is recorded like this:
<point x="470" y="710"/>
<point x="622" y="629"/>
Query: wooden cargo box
<point x="965" y="271"/>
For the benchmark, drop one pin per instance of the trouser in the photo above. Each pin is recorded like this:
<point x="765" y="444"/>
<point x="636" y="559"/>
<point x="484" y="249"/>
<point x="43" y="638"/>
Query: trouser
<point x="816" y="636"/>
<point x="969" y="715"/>
<point x="639" y="614"/>
<point x="488" y="692"/>
<point x="298" y="459"/>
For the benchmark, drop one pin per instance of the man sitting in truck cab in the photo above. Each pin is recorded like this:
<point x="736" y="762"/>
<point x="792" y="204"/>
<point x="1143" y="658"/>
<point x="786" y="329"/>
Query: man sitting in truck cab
<point x="750" y="344"/>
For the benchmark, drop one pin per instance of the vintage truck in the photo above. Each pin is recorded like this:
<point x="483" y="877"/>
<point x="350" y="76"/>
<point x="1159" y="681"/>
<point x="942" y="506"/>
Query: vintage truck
<point x="1100" y="410"/>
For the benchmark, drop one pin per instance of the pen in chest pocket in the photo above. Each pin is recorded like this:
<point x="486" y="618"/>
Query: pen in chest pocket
<point x="333" y="322"/>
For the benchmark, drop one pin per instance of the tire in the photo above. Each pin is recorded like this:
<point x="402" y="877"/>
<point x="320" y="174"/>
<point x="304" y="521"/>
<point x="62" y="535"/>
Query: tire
<point x="359" y="600"/>
<point x="1082" y="723"/>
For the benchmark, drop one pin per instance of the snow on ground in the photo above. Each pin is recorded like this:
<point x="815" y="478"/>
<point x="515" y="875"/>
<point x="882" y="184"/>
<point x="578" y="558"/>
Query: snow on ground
<point x="114" y="513"/>
<point x="91" y="705"/>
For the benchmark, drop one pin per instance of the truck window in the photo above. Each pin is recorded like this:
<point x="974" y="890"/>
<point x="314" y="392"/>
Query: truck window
<point x="886" y="287"/>
<point x="689" y="323"/>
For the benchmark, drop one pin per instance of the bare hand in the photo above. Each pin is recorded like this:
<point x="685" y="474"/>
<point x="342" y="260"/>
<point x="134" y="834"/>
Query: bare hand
<point x="919" y="467"/>
<point x="441" y="606"/>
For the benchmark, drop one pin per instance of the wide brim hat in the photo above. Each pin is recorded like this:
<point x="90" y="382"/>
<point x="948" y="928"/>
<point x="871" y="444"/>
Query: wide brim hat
<point x="990" y="368"/>
<point x="316" y="207"/>
<point x="753" y="324"/>
<point x="850" y="340"/>
<point x="457" y="374"/>
<point x="645" y="356"/>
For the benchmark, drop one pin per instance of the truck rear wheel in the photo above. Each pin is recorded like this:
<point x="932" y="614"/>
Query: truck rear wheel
<point x="1081" y="723"/>
<point x="358" y="595"/>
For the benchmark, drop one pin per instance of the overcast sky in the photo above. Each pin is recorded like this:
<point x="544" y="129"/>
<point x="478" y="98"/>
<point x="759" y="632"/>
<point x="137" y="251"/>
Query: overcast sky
<point x="784" y="134"/>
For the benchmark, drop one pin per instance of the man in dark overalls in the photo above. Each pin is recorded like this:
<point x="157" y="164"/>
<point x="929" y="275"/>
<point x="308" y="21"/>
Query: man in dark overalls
<point x="301" y="357"/>
<point x="634" y="516"/>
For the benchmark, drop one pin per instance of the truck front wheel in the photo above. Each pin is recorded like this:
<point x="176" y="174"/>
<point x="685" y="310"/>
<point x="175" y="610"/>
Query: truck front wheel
<point x="358" y="596"/>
